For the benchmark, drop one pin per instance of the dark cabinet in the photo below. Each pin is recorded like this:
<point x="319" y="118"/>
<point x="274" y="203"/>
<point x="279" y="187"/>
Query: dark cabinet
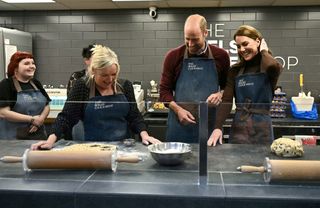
<point x="157" y="125"/>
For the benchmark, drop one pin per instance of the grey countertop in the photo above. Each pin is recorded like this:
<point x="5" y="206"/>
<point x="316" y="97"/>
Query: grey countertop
<point x="148" y="184"/>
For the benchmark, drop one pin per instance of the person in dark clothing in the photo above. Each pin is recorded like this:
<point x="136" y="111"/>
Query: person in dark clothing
<point x="193" y="72"/>
<point x="252" y="82"/>
<point x="76" y="133"/>
<point x="86" y="54"/>
<point x="24" y="104"/>
<point x="105" y="103"/>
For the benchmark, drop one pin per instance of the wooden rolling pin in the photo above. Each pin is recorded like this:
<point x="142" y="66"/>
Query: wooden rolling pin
<point x="70" y="160"/>
<point x="287" y="170"/>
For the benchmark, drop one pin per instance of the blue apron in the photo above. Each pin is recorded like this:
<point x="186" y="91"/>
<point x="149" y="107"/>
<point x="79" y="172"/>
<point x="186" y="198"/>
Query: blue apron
<point x="252" y="122"/>
<point x="105" y="117"/>
<point x="197" y="80"/>
<point x="29" y="102"/>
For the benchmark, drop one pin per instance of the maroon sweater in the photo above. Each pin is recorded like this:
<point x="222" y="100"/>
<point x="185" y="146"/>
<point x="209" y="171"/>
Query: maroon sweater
<point x="173" y="64"/>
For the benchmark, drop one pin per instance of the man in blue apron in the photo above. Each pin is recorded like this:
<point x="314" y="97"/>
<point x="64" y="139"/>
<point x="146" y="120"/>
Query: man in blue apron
<point x="197" y="80"/>
<point x="191" y="74"/>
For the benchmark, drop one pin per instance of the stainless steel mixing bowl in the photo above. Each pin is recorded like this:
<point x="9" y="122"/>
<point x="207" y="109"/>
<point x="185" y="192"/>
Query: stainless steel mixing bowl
<point x="170" y="153"/>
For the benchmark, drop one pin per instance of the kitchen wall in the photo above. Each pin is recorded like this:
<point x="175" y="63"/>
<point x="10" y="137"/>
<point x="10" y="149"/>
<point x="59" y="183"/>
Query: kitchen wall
<point x="293" y="34"/>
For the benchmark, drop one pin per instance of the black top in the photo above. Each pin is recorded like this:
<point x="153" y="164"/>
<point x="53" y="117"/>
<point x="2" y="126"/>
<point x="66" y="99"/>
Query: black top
<point x="74" y="108"/>
<point x="75" y="76"/>
<point x="9" y="93"/>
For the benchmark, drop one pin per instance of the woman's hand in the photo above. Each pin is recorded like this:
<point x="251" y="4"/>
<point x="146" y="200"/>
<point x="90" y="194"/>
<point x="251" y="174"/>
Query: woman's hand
<point x="215" y="136"/>
<point x="215" y="99"/>
<point x="263" y="45"/>
<point x="45" y="144"/>
<point x="37" y="121"/>
<point x="146" y="139"/>
<point x="33" y="129"/>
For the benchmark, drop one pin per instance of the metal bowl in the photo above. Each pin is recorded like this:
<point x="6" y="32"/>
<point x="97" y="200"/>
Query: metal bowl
<point x="129" y="142"/>
<point x="170" y="153"/>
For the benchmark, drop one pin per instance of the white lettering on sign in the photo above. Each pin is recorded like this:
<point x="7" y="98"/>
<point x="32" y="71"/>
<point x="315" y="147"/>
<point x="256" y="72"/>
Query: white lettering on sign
<point x="216" y="31"/>
<point x="291" y="61"/>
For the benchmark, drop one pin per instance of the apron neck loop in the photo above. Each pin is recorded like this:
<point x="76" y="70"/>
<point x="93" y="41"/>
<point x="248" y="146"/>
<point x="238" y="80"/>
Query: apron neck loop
<point x="210" y="56"/>
<point x="92" y="86"/>
<point x="18" y="87"/>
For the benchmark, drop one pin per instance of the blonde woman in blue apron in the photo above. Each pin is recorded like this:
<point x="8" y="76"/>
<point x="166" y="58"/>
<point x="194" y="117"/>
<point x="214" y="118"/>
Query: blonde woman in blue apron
<point x="252" y="82"/>
<point x="104" y="103"/>
<point x="23" y="101"/>
<point x="192" y="73"/>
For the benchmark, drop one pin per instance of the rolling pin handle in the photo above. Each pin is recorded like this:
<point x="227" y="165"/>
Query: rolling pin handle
<point x="129" y="159"/>
<point x="251" y="169"/>
<point x="11" y="159"/>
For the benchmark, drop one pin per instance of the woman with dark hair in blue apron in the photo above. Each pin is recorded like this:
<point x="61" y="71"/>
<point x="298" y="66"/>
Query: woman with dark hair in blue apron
<point x="106" y="105"/>
<point x="252" y="82"/>
<point x="24" y="104"/>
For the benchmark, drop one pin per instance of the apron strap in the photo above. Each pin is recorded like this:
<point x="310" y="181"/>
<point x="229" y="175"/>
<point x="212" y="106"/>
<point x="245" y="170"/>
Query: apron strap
<point x="33" y="85"/>
<point x="18" y="87"/>
<point x="92" y="86"/>
<point x="241" y="70"/>
<point x="210" y="56"/>
<point x="246" y="112"/>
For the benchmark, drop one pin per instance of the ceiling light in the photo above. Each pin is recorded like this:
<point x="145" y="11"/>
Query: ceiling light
<point x="134" y="0"/>
<point x="28" y="1"/>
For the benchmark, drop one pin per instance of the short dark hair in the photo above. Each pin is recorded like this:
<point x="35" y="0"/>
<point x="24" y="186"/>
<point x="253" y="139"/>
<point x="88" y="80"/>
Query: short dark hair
<point x="87" y="52"/>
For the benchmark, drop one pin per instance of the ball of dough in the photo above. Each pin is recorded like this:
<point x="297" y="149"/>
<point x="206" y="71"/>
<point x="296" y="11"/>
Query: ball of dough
<point x="286" y="147"/>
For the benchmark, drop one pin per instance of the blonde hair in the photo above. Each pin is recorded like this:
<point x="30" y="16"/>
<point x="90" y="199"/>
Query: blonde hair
<point x="102" y="57"/>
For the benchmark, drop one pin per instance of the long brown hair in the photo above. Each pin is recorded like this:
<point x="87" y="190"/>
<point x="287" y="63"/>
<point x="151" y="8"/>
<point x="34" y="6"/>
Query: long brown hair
<point x="250" y="32"/>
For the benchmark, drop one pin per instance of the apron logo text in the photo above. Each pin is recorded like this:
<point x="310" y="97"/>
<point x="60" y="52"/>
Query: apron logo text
<point x="194" y="67"/>
<point x="243" y="83"/>
<point x="100" y="105"/>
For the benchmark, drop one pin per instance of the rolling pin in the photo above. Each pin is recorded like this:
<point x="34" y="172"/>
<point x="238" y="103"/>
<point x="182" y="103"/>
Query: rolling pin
<point x="33" y="160"/>
<point x="286" y="170"/>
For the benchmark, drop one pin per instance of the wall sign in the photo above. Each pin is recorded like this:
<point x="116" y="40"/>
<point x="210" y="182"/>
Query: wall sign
<point x="216" y="33"/>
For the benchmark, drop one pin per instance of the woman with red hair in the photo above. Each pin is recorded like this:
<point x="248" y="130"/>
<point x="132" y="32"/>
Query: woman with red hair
<point x="24" y="104"/>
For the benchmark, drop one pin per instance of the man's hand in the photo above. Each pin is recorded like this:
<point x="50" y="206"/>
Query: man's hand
<point x="215" y="136"/>
<point x="185" y="117"/>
